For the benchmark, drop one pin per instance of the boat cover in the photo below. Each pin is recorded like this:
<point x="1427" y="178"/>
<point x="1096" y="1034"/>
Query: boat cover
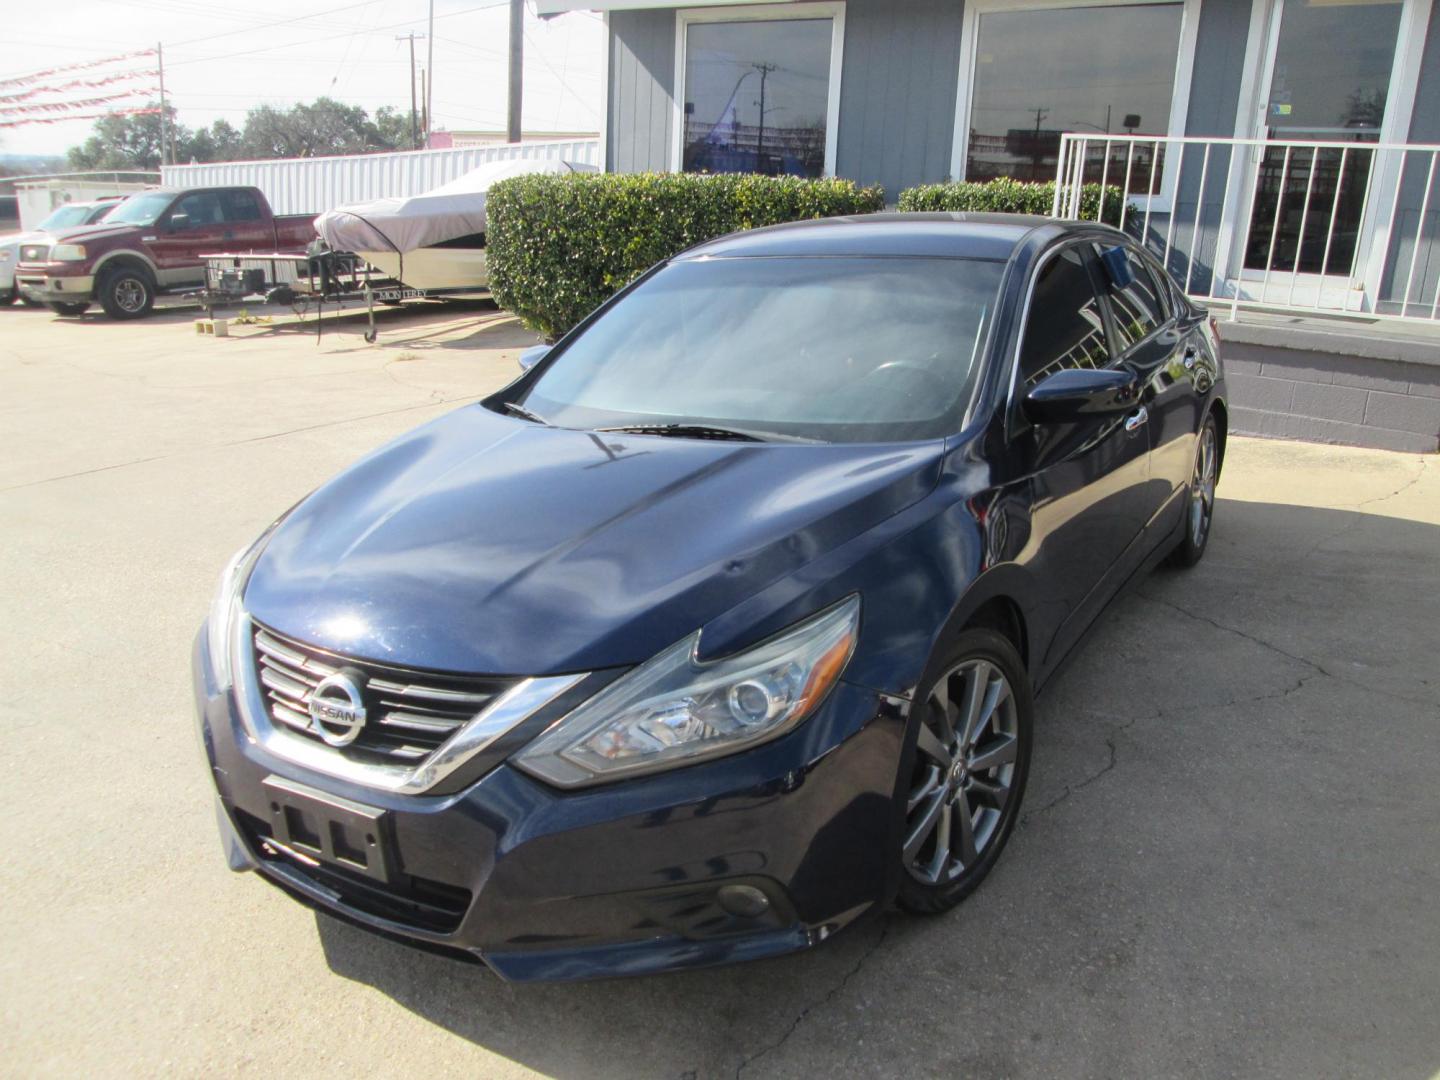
<point x="408" y="222"/>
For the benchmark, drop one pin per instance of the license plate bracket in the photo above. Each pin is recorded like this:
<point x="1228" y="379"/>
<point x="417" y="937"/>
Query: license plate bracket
<point x="329" y="829"/>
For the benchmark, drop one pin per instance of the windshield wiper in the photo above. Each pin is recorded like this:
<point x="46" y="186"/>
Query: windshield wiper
<point x="701" y="431"/>
<point x="520" y="410"/>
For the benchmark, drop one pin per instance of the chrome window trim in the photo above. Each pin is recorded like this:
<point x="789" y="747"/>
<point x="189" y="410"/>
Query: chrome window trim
<point x="496" y="719"/>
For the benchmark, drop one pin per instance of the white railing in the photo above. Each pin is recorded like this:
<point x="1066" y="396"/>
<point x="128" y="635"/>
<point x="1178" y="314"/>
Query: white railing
<point x="1332" y="227"/>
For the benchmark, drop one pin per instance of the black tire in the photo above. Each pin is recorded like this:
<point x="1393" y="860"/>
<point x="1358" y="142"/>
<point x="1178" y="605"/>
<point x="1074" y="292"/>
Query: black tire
<point x="1200" y="506"/>
<point x="70" y="310"/>
<point x="126" y="292"/>
<point x="989" y="798"/>
<point x="9" y="296"/>
<point x="30" y="301"/>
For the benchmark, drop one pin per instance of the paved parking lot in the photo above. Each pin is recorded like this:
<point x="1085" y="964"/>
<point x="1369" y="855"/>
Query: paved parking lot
<point x="1229" y="863"/>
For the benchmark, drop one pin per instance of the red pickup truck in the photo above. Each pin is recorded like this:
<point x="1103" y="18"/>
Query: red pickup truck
<point x="150" y="244"/>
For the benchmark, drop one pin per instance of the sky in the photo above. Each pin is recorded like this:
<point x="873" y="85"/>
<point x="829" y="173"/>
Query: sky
<point x="348" y="53"/>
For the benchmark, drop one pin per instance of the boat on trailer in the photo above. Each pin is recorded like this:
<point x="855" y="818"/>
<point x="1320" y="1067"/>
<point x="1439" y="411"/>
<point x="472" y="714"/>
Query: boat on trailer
<point x="434" y="242"/>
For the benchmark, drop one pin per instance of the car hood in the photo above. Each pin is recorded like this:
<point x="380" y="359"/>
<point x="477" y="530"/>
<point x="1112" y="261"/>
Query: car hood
<point x="98" y="231"/>
<point x="485" y="544"/>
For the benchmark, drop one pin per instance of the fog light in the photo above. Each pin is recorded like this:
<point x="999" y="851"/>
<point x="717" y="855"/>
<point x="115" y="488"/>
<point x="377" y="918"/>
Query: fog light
<point x="743" y="901"/>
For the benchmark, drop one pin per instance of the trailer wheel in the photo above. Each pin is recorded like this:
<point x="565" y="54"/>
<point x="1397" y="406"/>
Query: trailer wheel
<point x="126" y="293"/>
<point x="69" y="309"/>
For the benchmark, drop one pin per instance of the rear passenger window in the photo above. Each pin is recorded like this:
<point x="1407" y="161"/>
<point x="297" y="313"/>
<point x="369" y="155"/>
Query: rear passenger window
<point x="1137" y="306"/>
<point x="1063" y="328"/>
<point x="240" y="206"/>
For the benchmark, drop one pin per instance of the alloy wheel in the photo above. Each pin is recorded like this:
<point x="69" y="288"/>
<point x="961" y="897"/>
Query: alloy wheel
<point x="1202" y="487"/>
<point x="130" y="294"/>
<point x="967" y="750"/>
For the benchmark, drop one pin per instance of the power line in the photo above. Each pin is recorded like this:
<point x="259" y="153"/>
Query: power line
<point x="278" y="22"/>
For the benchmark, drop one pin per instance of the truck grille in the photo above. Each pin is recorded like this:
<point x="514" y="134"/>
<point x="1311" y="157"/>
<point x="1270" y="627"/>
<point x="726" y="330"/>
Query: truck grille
<point x="409" y="714"/>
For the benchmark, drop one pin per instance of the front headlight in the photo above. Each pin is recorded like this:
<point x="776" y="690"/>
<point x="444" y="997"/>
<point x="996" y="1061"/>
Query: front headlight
<point x="225" y="608"/>
<point x="67" y="252"/>
<point x="674" y="710"/>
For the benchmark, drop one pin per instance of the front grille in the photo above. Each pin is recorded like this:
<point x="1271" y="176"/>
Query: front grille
<point x="408" y="900"/>
<point x="409" y="714"/>
<point x="34" y="252"/>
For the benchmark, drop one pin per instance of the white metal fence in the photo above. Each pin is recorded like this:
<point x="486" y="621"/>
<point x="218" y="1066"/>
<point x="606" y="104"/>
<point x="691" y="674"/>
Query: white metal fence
<point x="313" y="185"/>
<point x="1331" y="227"/>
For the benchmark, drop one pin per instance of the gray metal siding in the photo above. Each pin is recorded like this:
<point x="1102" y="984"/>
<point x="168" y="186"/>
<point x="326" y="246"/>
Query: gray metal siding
<point x="1424" y="128"/>
<point x="641" y="95"/>
<point x="897" y="93"/>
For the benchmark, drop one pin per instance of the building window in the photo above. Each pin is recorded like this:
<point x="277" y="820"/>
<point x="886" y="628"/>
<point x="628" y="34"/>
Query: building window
<point x="760" y="93"/>
<point x="1110" y="69"/>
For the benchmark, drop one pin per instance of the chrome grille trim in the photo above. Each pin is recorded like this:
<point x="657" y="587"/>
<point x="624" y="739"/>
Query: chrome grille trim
<point x="278" y="728"/>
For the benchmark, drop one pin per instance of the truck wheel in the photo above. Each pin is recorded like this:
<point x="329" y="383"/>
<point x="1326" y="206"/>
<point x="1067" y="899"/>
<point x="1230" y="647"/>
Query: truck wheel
<point x="126" y="293"/>
<point x="9" y="297"/>
<point x="69" y="309"/>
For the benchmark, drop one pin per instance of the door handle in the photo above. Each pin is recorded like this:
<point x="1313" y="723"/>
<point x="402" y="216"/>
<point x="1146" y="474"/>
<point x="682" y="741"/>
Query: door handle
<point x="1138" y="419"/>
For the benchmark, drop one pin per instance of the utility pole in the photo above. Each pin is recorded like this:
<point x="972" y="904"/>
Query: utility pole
<point x="425" y="85"/>
<point x="517" y="69"/>
<point x="1035" y="155"/>
<point x="414" y="124"/>
<point x="164" y="117"/>
<point x="765" y="70"/>
<point x="429" y="72"/>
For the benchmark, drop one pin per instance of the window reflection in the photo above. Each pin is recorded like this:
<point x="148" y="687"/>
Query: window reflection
<point x="1107" y="69"/>
<point x="1137" y="308"/>
<point x="1063" y="329"/>
<point x="756" y="95"/>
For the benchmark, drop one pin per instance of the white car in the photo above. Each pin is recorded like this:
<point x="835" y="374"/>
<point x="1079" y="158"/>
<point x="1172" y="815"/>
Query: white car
<point x="62" y="217"/>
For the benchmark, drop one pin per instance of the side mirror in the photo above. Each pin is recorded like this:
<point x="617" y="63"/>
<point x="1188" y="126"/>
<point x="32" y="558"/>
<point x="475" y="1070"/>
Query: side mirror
<point x="1068" y="396"/>
<point x="178" y="223"/>
<point x="532" y="356"/>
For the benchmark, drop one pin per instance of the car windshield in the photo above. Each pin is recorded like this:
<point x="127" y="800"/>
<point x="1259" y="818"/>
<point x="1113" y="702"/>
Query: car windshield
<point x="64" y="216"/>
<point x="140" y="209"/>
<point x="839" y="349"/>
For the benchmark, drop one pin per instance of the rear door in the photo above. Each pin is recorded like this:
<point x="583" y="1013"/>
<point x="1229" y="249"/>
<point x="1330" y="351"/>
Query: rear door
<point x="247" y="226"/>
<point x="193" y="226"/>
<point x="1149" y="338"/>
<point x="1088" y="479"/>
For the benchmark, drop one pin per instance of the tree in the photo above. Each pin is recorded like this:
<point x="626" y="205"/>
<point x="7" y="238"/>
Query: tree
<point x="321" y="128"/>
<point x="125" y="142"/>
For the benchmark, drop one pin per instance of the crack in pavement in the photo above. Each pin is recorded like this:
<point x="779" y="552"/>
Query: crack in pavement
<point x="829" y="996"/>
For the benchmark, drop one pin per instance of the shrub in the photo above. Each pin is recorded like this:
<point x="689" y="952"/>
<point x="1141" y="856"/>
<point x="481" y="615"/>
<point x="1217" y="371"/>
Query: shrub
<point x="559" y="246"/>
<point x="1006" y="196"/>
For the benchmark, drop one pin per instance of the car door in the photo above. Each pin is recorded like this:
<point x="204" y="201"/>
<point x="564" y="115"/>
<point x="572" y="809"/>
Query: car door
<point x="1147" y="338"/>
<point x="1088" y="497"/>
<point x="246" y="226"/>
<point x="193" y="226"/>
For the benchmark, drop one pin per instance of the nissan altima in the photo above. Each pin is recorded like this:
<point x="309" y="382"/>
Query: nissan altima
<point x="720" y="626"/>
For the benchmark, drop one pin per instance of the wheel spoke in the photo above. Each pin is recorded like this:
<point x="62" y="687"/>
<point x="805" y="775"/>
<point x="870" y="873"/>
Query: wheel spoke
<point x="996" y="752"/>
<point x="930" y="745"/>
<point x="940" y="701"/>
<point x="921" y="830"/>
<point x="924" y="789"/>
<point x="987" y="794"/>
<point x="971" y="709"/>
<point x="943" y="855"/>
<point x="965" y="826"/>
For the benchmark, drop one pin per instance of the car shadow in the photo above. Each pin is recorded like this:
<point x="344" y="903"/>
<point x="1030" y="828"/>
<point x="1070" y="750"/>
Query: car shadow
<point x="1129" y="890"/>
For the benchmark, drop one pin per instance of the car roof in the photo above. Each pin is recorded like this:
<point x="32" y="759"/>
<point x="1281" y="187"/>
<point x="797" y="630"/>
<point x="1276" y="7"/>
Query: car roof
<point x="948" y="235"/>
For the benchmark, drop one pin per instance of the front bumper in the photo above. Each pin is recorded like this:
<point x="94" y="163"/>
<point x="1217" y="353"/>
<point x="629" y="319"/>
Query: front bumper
<point x="54" y="287"/>
<point x="617" y="880"/>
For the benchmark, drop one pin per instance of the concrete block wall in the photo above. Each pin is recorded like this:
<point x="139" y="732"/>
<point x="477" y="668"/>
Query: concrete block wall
<point x="1333" y="388"/>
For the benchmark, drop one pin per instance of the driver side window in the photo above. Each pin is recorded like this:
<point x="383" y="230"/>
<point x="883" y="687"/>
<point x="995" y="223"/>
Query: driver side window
<point x="1063" y="327"/>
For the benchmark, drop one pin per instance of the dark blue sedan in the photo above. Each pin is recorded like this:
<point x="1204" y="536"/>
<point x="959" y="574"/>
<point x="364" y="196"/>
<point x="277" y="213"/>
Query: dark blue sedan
<point x="720" y="626"/>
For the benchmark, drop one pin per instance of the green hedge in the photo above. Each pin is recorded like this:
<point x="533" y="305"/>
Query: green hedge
<point x="1007" y="196"/>
<point x="559" y="246"/>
